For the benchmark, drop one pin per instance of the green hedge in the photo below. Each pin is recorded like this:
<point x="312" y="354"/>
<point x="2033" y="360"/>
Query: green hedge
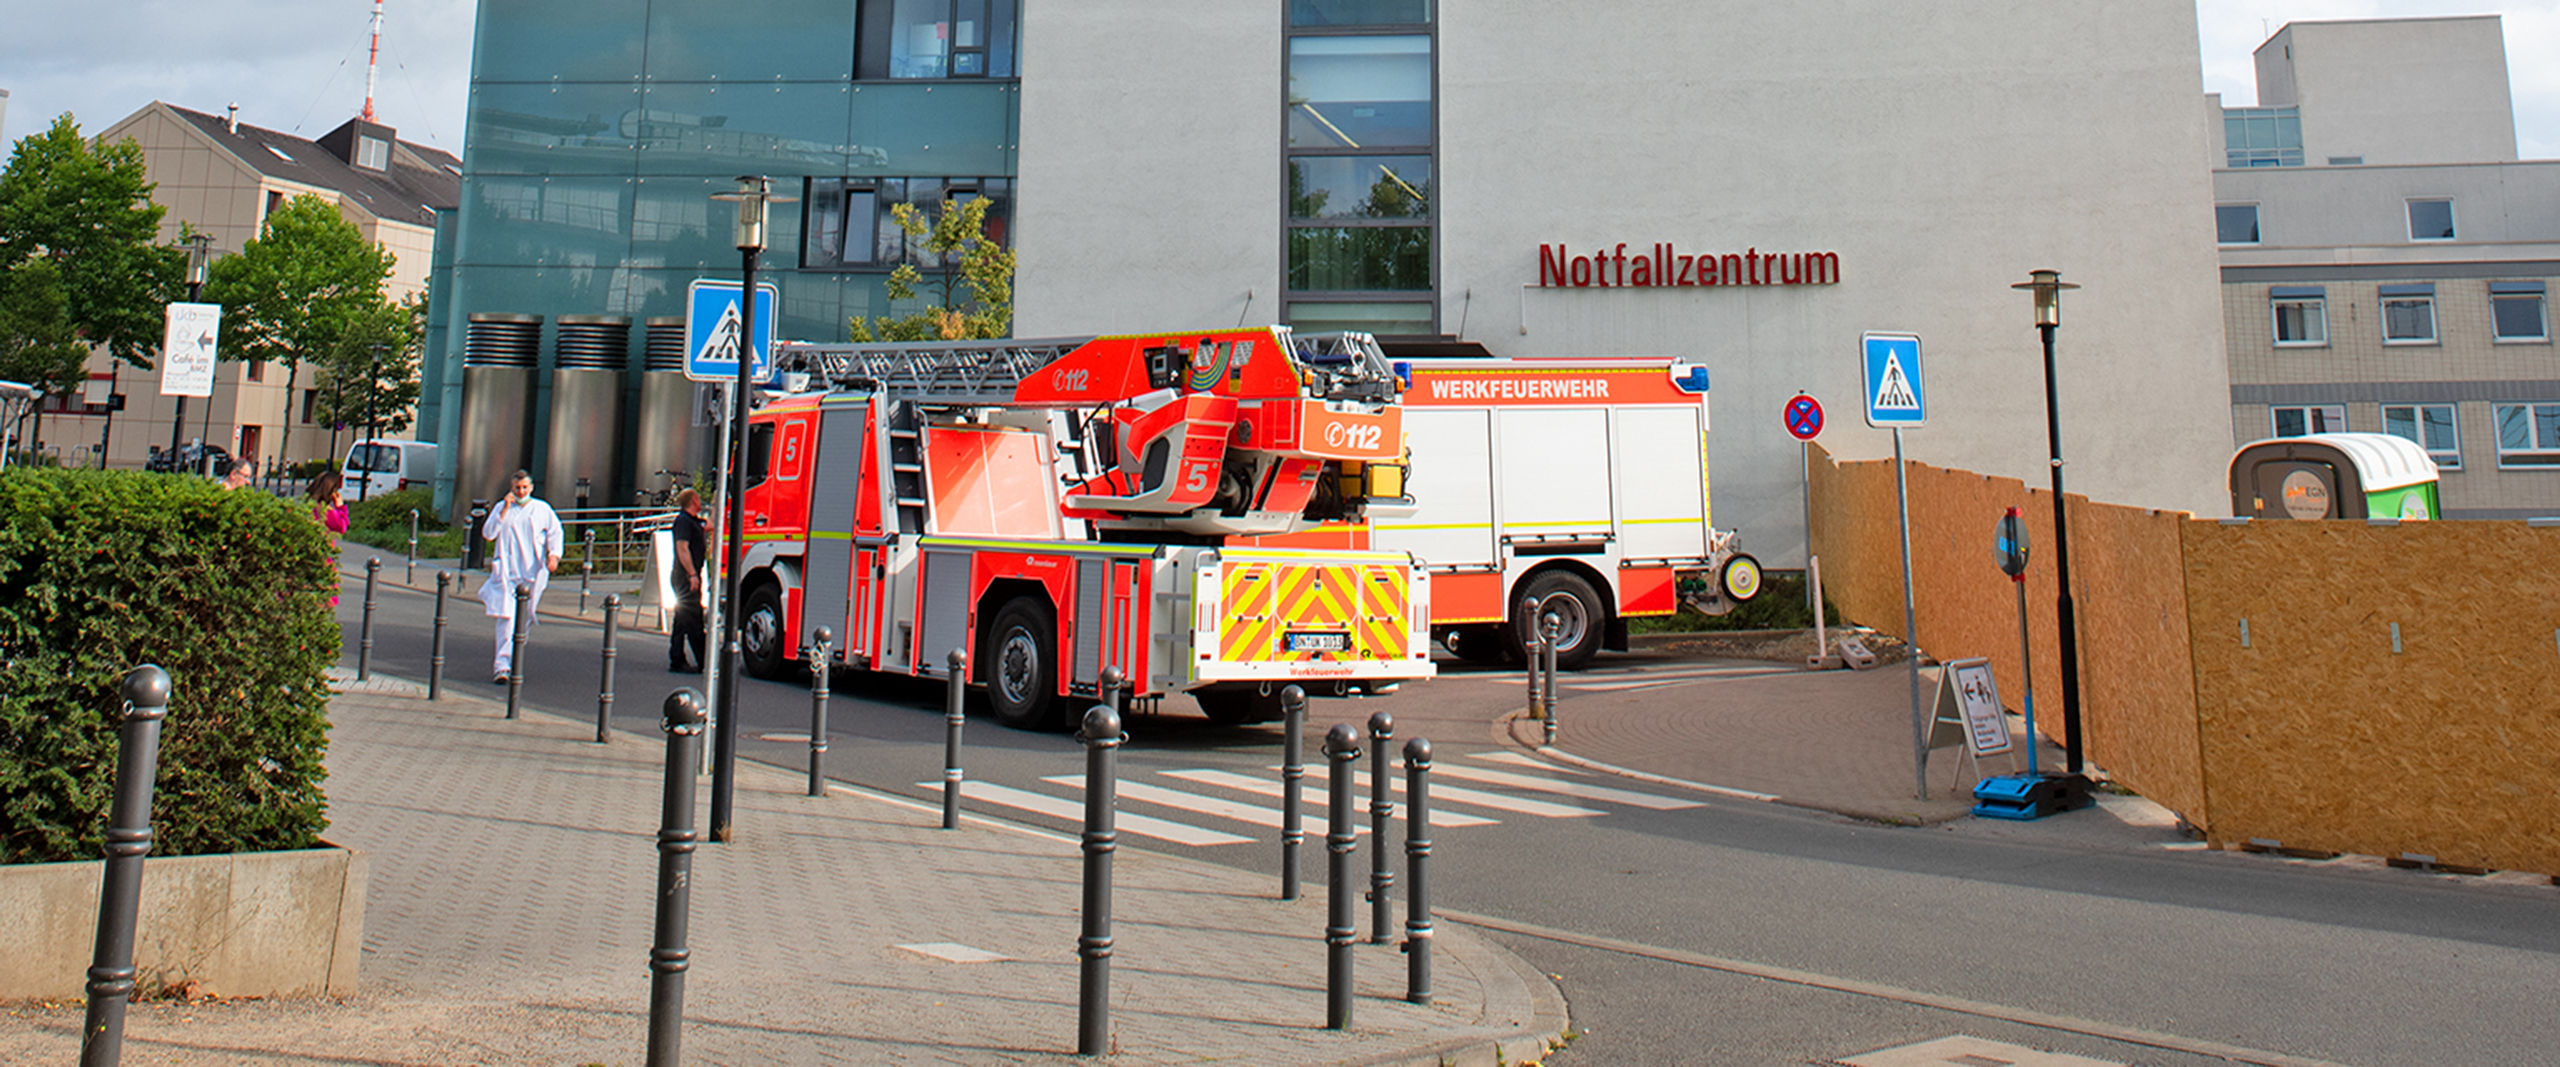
<point x="103" y="570"/>
<point x="390" y="511"/>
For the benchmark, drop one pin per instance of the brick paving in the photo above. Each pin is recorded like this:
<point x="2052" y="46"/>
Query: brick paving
<point x="510" y="909"/>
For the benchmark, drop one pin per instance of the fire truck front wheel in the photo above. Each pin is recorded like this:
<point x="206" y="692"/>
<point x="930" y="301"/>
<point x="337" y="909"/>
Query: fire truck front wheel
<point x="1582" y="618"/>
<point x="1022" y="663"/>
<point x="760" y="632"/>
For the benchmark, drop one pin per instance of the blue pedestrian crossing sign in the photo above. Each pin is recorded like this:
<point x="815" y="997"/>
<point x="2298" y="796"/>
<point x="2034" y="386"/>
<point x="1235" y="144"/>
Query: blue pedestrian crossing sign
<point x="711" y="322"/>
<point x="1895" y="399"/>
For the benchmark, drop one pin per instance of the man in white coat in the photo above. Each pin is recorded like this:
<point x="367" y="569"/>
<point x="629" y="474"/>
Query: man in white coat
<point x="530" y="540"/>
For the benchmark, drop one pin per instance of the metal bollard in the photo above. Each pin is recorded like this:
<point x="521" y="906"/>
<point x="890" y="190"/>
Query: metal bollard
<point x="475" y="540"/>
<point x="1107" y="689"/>
<point x="515" y="646"/>
<point x="410" y="576"/>
<point x="435" y="649"/>
<point x="586" y="569"/>
<point x="1417" y="861"/>
<point x="954" y="713"/>
<point x="668" y="956"/>
<point x="821" y="663"/>
<point x="1342" y="746"/>
<point x="1551" y="626"/>
<point x="111" y="972"/>
<point x="364" y="638"/>
<point x="1101" y="737"/>
<point x="1382" y="815"/>
<point x="1293" y="773"/>
<point x="604" y="687"/>
<point x="1532" y="651"/>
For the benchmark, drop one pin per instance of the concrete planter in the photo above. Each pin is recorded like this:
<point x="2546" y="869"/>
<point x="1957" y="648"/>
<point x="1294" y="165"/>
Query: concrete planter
<point x="238" y="924"/>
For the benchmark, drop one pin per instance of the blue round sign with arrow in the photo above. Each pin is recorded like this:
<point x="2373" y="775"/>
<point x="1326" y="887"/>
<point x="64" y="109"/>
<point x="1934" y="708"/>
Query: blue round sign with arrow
<point x="1804" y="417"/>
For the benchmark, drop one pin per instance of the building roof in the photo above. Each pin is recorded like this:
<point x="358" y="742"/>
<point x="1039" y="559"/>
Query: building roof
<point x="416" y="183"/>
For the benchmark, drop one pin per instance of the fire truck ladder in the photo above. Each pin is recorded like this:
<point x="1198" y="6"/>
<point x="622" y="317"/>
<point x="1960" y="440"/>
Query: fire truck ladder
<point x="930" y="373"/>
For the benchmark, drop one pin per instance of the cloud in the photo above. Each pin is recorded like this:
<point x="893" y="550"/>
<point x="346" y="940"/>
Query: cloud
<point x="287" y="63"/>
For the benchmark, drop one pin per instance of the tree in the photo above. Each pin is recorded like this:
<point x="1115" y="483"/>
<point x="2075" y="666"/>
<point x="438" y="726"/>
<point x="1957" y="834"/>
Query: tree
<point x="38" y="344"/>
<point x="378" y="354"/>
<point x="298" y="290"/>
<point x="87" y="209"/>
<point x="954" y="237"/>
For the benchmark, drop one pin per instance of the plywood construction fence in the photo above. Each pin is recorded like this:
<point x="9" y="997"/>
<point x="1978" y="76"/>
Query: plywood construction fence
<point x="2317" y="732"/>
<point x="2137" y="692"/>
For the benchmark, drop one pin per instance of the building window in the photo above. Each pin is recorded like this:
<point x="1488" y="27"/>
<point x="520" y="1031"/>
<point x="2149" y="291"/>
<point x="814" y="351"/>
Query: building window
<point x="2301" y="314"/>
<point x="2409" y="314"/>
<point x="256" y="371"/>
<point x="2262" y="136"/>
<point x="936" y="39"/>
<point x="2310" y="418"/>
<point x="2430" y="425"/>
<point x="2431" y="220"/>
<point x="373" y="153"/>
<point x="310" y="404"/>
<point x="2515" y="310"/>
<point x="2235" y="224"/>
<point x="2528" y="435"/>
<point x="849" y="223"/>
<point x="2346" y="161"/>
<point x="1359" y="167"/>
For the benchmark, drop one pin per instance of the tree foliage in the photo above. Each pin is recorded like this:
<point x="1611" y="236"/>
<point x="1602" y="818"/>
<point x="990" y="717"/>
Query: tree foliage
<point x="87" y="208"/>
<point x="369" y="375"/>
<point x="39" y="346"/>
<point x="298" y="290"/>
<point x="101" y="571"/>
<point x="972" y="283"/>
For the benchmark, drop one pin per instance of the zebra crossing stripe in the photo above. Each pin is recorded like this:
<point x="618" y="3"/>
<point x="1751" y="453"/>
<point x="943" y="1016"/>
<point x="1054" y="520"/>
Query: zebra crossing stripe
<point x="1143" y="826"/>
<point x="1496" y="801"/>
<point x="1175" y="798"/>
<point x="1316" y="796"/>
<point x="1601" y="793"/>
<point x="1661" y="682"/>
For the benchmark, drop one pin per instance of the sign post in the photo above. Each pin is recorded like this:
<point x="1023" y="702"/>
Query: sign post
<point x="1804" y="423"/>
<point x="1896" y="399"/>
<point x="2010" y="543"/>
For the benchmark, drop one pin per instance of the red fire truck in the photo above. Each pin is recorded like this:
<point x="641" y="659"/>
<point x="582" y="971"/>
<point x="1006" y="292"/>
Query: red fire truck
<point x="1056" y="507"/>
<point x="1574" y="487"/>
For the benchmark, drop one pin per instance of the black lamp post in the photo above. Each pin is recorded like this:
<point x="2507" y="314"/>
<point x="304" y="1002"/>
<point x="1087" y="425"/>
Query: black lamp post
<point x="372" y="386"/>
<point x="753" y="192"/>
<point x="199" y="259"/>
<point x="2047" y="285"/>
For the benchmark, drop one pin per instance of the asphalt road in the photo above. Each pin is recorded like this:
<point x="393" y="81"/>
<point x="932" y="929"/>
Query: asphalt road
<point x="1725" y="931"/>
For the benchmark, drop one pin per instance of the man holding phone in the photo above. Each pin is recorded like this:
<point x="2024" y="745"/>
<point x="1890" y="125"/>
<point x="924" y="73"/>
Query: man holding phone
<point x="530" y="539"/>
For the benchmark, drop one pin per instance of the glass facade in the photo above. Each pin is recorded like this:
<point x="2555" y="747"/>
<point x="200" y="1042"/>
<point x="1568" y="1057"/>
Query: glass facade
<point x="599" y="129"/>
<point x="1358" y="158"/>
<point x="2262" y="136"/>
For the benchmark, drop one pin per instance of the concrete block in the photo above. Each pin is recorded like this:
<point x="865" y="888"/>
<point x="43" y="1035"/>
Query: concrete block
<point x="285" y="923"/>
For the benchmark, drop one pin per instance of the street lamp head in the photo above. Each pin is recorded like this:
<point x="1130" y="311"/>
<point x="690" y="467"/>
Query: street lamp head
<point x="754" y="192"/>
<point x="199" y="257"/>
<point x="2048" y="286"/>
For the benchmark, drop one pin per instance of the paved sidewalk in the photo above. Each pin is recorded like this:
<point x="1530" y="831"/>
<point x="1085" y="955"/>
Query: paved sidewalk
<point x="511" y="906"/>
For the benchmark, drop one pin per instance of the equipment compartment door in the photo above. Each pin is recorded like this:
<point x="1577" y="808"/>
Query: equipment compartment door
<point x="1452" y="483"/>
<point x="1662" y="484"/>
<point x="1554" y="473"/>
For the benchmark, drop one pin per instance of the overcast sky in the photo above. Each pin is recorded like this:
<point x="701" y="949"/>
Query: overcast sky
<point x="298" y="65"/>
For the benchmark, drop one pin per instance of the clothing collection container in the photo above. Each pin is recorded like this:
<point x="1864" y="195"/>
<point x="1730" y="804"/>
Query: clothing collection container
<point x="500" y="355"/>
<point x="589" y="355"/>
<point x="668" y="438"/>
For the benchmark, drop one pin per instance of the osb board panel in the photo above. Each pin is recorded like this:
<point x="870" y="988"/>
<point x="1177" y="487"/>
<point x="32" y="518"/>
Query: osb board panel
<point x="2137" y="708"/>
<point x="2318" y="735"/>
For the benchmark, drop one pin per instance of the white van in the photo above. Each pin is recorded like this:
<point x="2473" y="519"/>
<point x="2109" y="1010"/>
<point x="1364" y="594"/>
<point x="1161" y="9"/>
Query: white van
<point x="375" y="466"/>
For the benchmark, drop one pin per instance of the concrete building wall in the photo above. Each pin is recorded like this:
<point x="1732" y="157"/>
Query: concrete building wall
<point x="2428" y="90"/>
<point x="1941" y="155"/>
<point x="2360" y="214"/>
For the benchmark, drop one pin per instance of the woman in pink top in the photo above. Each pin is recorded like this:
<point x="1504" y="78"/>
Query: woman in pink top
<point x="329" y="509"/>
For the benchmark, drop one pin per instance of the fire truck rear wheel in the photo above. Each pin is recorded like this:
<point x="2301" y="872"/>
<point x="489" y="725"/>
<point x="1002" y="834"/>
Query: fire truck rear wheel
<point x="1021" y="665"/>
<point x="1583" y="617"/>
<point x="760" y="633"/>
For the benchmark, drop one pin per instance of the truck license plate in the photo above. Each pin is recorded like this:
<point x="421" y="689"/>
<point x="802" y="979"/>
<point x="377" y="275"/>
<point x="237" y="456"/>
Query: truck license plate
<point x="1318" y="642"/>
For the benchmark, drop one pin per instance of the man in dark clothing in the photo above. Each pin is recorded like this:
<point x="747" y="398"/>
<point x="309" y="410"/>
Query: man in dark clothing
<point x="687" y="580"/>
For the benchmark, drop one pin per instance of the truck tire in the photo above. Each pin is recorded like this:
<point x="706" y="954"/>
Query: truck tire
<point x="1239" y="706"/>
<point x="1584" y="614"/>
<point x="1021" y="672"/>
<point x="760" y="632"/>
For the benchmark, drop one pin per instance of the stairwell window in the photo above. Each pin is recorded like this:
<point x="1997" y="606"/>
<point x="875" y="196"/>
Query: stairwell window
<point x="2528" y="435"/>
<point x="2516" y="314"/>
<point x="2235" y="224"/>
<point x="2301" y="314"/>
<point x="2409" y="314"/>
<point x="2431" y="220"/>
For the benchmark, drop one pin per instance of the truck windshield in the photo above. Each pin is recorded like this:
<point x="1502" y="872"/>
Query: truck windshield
<point x="374" y="458"/>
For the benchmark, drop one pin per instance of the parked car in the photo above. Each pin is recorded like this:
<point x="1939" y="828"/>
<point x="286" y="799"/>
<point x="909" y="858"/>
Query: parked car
<point x="191" y="459"/>
<point x="376" y="465"/>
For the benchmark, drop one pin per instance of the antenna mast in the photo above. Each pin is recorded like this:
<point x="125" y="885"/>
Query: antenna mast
<point x="372" y="61"/>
